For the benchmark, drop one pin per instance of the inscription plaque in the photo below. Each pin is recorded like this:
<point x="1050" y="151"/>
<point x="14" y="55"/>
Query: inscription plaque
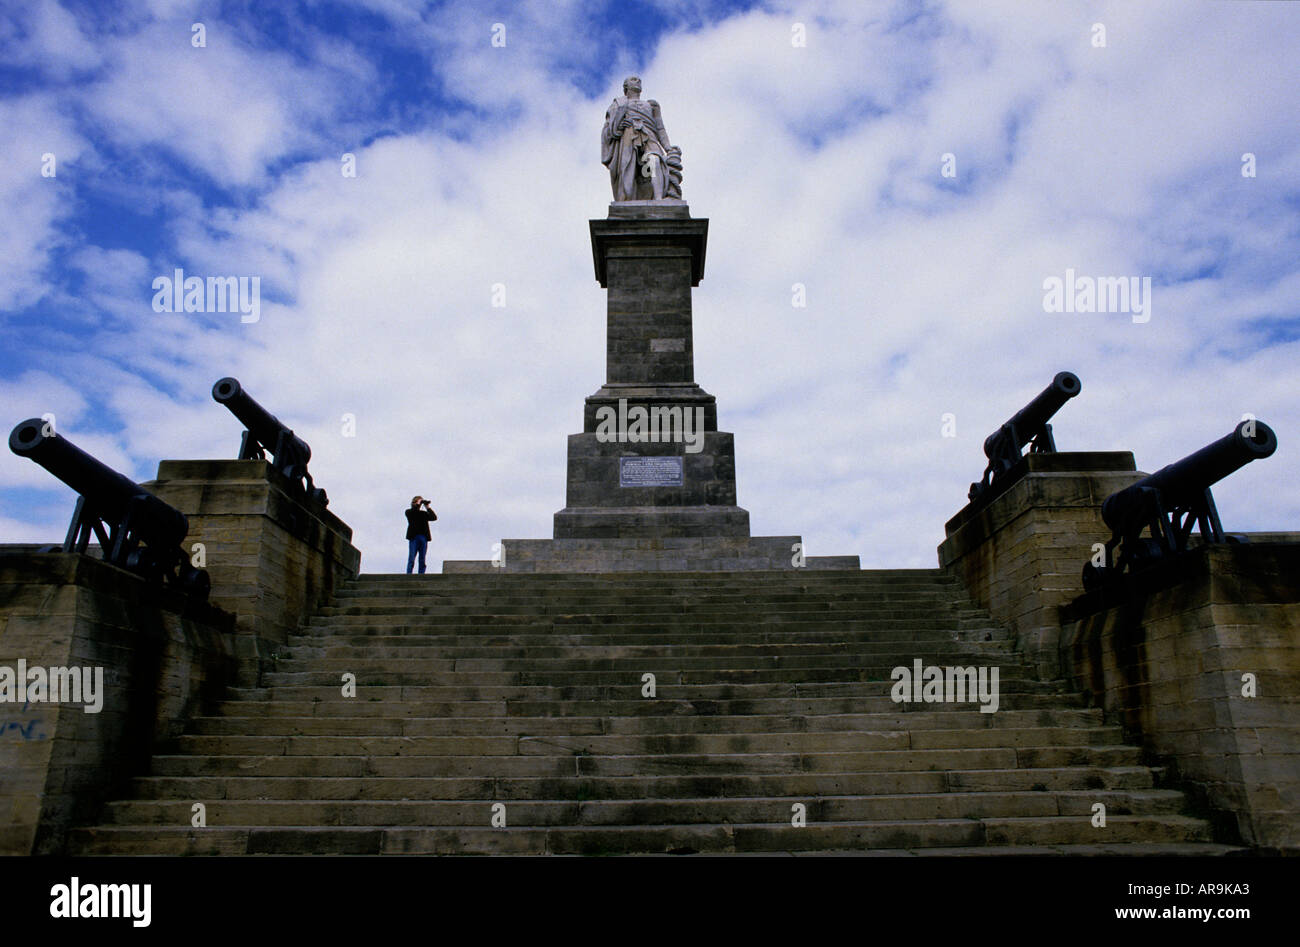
<point x="649" y="471"/>
<point x="667" y="345"/>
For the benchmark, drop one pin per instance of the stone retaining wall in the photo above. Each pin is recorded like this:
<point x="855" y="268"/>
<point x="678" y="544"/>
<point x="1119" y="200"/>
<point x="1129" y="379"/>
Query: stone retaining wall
<point x="1170" y="654"/>
<point x="164" y="660"/>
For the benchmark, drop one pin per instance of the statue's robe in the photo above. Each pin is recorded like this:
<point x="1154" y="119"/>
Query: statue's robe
<point x="622" y="152"/>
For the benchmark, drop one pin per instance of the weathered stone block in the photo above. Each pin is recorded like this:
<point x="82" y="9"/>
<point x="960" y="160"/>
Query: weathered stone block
<point x="1020" y="552"/>
<point x="273" y="558"/>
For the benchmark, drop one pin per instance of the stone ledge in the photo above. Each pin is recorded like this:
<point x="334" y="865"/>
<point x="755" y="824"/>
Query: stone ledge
<point x="210" y="475"/>
<point x="688" y="234"/>
<point x="1079" y="463"/>
<point x="669" y="554"/>
<point x="668" y="208"/>
<point x="651" y="522"/>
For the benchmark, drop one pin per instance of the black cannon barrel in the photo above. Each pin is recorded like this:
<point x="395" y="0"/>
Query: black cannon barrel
<point x="264" y="426"/>
<point x="109" y="494"/>
<point x="1031" y="418"/>
<point x="1183" y="482"/>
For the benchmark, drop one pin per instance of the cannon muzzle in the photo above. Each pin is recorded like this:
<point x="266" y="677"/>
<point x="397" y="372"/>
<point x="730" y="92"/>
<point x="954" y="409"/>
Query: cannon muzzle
<point x="1027" y="427"/>
<point x="266" y="433"/>
<point x="263" y="425"/>
<point x="107" y="492"/>
<point x="1182" y="484"/>
<point x="1169" y="502"/>
<point x="1033" y="417"/>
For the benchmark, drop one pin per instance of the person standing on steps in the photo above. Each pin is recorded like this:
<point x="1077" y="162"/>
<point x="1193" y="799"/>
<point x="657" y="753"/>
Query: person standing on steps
<point x="418" y="518"/>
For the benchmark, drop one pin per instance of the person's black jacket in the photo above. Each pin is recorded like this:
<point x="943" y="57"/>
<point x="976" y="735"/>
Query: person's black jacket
<point x="417" y="523"/>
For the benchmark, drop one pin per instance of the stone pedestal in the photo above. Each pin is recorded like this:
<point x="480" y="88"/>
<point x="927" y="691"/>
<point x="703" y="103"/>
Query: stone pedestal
<point x="648" y="255"/>
<point x="663" y="496"/>
<point x="273" y="558"/>
<point x="1020" y="553"/>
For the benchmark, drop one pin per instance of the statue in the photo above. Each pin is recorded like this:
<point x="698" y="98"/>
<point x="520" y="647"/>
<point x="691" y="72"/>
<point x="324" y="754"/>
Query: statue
<point x="634" y="145"/>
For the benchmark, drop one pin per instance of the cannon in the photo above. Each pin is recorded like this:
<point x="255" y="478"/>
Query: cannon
<point x="264" y="432"/>
<point x="136" y="530"/>
<point x="1169" y="502"/>
<point x="1029" y="426"/>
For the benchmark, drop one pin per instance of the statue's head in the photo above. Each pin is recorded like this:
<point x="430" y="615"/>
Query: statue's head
<point x="632" y="84"/>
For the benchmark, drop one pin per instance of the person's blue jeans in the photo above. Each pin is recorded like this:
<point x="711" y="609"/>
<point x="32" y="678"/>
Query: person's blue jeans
<point x="419" y="544"/>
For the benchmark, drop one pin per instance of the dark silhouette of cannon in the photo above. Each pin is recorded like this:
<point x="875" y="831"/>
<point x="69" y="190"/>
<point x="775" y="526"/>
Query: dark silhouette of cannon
<point x="136" y="530"/>
<point x="1029" y="426"/>
<point x="264" y="432"/>
<point x="1169" y="502"/>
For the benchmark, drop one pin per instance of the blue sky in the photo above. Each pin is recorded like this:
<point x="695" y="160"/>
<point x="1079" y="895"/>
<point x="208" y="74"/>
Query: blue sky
<point x="817" y="164"/>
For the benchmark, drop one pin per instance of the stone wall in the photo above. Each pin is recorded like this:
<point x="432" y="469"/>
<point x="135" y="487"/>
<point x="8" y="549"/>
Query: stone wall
<point x="273" y="558"/>
<point x="1165" y="653"/>
<point x="164" y="660"/>
<point x="1020" y="553"/>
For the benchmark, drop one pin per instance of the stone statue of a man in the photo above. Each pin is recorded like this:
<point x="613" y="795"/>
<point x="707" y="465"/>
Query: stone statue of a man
<point x="634" y="145"/>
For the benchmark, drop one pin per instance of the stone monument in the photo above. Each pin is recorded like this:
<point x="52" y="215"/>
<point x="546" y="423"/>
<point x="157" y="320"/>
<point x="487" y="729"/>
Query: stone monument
<point x="651" y="479"/>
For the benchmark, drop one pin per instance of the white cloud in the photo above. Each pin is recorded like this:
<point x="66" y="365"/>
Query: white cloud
<point x="226" y="109"/>
<point x="34" y="203"/>
<point x="44" y="35"/>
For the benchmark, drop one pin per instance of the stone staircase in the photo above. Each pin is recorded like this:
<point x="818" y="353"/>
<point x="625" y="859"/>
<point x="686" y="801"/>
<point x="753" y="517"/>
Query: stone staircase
<point x="772" y="689"/>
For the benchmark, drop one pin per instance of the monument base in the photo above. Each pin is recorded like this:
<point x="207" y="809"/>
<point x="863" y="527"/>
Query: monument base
<point x="651" y="522"/>
<point x="652" y="554"/>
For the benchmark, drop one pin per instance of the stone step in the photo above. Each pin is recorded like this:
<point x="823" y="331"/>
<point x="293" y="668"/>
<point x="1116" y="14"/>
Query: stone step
<point x="772" y="689"/>
<point x="268" y="725"/>
<point x="1093" y="779"/>
<point x="922" y="606"/>
<point x="486" y="636"/>
<point x="718" y="591"/>
<point x="580" y="654"/>
<point x="922" y="594"/>
<point x="595" y="840"/>
<point x="684" y="811"/>
<point x="666" y="672"/>
<point x="925" y="601"/>
<point x="399" y="580"/>
<point x="793" y="668"/>
<point x="625" y="580"/>
<point x="633" y="580"/>
<point x="1128" y="850"/>
<point x="334" y="706"/>
<point x="669" y="686"/>
<point x="645" y="744"/>
<point x="568" y="764"/>
<point x="816" y="741"/>
<point x="863" y="697"/>
<point x="848" y="654"/>
<point x="728" y="620"/>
